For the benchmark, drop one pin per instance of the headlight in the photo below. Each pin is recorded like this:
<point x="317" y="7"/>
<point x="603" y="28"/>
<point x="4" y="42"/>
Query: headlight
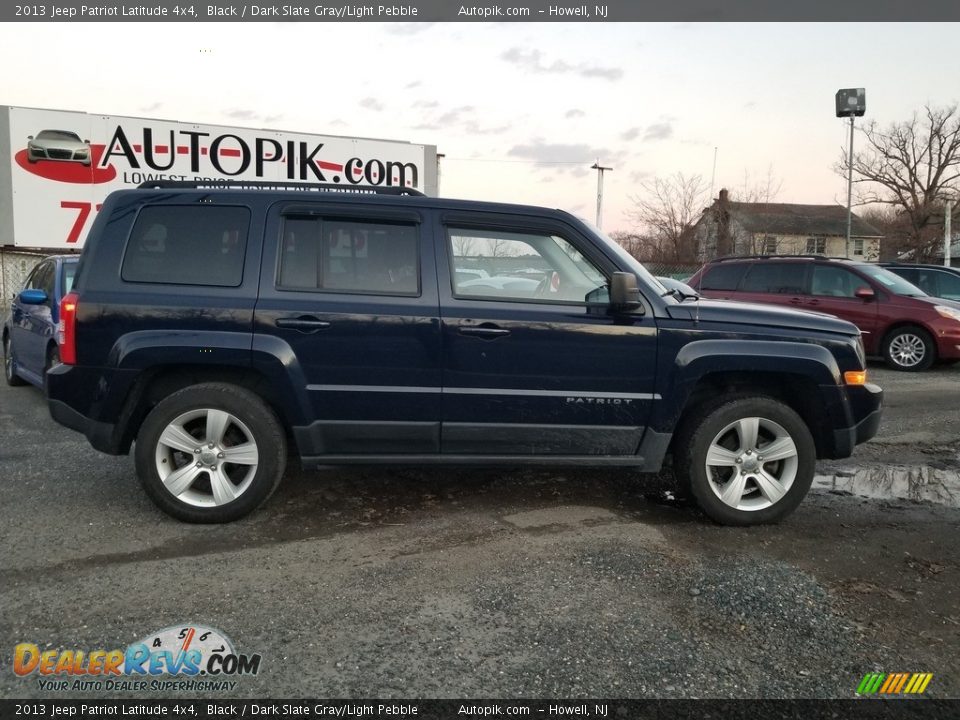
<point x="948" y="312"/>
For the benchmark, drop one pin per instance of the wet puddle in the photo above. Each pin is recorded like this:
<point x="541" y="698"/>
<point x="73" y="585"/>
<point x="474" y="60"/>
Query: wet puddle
<point x="923" y="483"/>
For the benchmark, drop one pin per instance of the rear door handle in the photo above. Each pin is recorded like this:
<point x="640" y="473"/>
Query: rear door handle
<point x="490" y="332"/>
<point x="303" y="324"/>
<point x="796" y="301"/>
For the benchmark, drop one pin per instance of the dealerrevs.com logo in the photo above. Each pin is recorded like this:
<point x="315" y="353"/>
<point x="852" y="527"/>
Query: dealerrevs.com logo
<point x="177" y="658"/>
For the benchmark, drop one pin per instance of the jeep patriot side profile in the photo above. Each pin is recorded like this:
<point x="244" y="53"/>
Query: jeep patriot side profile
<point x="213" y="327"/>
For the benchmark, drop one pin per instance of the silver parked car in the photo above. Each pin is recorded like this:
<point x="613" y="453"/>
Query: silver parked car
<point x="58" y="145"/>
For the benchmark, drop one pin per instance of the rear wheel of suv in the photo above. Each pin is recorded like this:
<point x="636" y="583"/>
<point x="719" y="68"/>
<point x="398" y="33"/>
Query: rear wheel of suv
<point x="747" y="460"/>
<point x="210" y="453"/>
<point x="9" y="373"/>
<point x="909" y="348"/>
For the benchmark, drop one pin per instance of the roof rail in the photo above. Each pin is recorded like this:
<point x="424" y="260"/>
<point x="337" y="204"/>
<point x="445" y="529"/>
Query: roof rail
<point x="814" y="256"/>
<point x="275" y="185"/>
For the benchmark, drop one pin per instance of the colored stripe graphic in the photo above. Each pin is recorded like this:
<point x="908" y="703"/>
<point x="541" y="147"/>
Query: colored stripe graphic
<point x="894" y="683"/>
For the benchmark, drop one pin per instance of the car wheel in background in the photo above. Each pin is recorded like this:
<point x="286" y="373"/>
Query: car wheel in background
<point x="9" y="372"/>
<point x="909" y="348"/>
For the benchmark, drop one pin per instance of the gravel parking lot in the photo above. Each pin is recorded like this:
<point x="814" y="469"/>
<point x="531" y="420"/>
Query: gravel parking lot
<point x="499" y="583"/>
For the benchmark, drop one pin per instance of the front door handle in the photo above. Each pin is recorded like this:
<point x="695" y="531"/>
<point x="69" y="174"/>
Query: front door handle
<point x="303" y="324"/>
<point x="490" y="332"/>
<point x="796" y="301"/>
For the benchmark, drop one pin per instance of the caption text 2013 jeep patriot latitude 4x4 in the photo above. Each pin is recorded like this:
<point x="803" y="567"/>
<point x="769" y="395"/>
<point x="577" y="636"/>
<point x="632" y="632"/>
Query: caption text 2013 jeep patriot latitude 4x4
<point x="216" y="326"/>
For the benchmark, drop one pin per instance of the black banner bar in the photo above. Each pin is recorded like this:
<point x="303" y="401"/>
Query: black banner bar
<point x="861" y="709"/>
<point x="507" y="11"/>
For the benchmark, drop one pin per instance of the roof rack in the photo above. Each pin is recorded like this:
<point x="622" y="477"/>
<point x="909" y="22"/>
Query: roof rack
<point x="276" y="185"/>
<point x="813" y="256"/>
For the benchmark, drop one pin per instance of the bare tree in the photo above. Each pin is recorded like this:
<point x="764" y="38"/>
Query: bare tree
<point x="914" y="167"/>
<point x="765" y="189"/>
<point x="664" y="213"/>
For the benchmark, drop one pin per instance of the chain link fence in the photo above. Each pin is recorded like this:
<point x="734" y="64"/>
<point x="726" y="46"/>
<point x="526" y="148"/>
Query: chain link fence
<point x="677" y="271"/>
<point x="15" y="266"/>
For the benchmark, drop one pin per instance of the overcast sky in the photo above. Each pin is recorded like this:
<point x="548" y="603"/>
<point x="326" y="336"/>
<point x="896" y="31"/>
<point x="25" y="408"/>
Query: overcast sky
<point x="521" y="110"/>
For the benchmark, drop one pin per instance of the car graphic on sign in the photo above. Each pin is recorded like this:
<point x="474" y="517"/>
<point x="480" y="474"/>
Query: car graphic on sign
<point x="61" y="145"/>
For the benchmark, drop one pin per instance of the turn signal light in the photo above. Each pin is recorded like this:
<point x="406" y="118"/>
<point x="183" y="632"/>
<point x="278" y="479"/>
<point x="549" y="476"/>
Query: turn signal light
<point x="855" y="377"/>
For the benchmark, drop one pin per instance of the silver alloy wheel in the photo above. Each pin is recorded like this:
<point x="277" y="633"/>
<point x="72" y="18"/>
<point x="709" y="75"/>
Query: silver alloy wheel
<point x="751" y="463"/>
<point x="206" y="457"/>
<point x="907" y="349"/>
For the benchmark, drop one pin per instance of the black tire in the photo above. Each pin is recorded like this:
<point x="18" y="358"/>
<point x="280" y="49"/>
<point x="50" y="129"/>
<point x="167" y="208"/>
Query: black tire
<point x="775" y="421"/>
<point x="910" y="349"/>
<point x="250" y="421"/>
<point x="53" y="357"/>
<point x="9" y="374"/>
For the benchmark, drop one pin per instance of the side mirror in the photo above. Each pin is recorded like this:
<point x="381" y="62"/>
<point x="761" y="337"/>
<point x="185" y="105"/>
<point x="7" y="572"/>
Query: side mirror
<point x="624" y="291"/>
<point x="865" y="293"/>
<point x="29" y="137"/>
<point x="33" y="297"/>
<point x="87" y="142"/>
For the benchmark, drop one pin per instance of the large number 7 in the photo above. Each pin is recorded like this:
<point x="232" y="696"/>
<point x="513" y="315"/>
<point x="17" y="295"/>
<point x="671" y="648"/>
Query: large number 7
<point x="83" y="212"/>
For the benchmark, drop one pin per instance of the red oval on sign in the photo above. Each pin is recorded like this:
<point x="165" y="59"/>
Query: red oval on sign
<point x="69" y="171"/>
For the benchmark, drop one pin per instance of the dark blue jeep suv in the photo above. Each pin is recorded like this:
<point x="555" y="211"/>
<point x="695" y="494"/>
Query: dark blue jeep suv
<point x="215" y="326"/>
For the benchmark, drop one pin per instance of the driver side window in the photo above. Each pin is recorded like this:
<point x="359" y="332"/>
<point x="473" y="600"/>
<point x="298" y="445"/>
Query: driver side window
<point x="510" y="266"/>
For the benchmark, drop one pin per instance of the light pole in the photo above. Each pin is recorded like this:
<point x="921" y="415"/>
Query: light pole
<point x="851" y="103"/>
<point x="599" y="168"/>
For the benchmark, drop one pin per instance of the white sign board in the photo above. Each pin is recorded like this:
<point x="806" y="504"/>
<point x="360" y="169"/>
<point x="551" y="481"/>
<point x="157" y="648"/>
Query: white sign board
<point x="63" y="164"/>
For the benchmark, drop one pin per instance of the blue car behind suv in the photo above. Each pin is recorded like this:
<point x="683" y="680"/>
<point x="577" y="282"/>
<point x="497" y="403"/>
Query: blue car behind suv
<point x="29" y="332"/>
<point x="215" y="326"/>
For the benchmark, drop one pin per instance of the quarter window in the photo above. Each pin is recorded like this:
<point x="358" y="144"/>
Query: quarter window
<point x="195" y="245"/>
<point x="349" y="257"/>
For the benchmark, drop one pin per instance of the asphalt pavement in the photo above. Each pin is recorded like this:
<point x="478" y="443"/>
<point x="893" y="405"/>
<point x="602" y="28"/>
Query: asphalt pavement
<point x="494" y="583"/>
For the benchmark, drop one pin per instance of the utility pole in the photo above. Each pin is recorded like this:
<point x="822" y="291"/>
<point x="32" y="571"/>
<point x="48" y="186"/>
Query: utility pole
<point x="851" y="103"/>
<point x="600" y="169"/>
<point x="440" y="156"/>
<point x="850" y="187"/>
<point x="713" y="175"/>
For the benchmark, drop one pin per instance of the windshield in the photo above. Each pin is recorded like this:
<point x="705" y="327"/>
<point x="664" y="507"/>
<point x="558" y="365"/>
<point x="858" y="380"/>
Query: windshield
<point x="626" y="258"/>
<point x="891" y="281"/>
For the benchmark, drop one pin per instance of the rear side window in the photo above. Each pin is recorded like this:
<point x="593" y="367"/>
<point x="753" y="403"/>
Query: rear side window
<point x="723" y="276"/>
<point x="373" y="258"/>
<point x="773" y="277"/>
<point x="187" y="245"/>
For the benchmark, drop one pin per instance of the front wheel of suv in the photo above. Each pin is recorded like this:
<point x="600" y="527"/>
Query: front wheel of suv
<point x="909" y="348"/>
<point x="747" y="460"/>
<point x="210" y="453"/>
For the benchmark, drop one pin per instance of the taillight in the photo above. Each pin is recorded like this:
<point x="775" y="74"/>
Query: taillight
<point x="67" y="329"/>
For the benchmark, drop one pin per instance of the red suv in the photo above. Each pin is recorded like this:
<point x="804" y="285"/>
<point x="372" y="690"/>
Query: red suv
<point x="899" y="322"/>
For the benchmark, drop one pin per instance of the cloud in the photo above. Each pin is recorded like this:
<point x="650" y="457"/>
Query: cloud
<point x="153" y="107"/>
<point x="532" y="60"/>
<point x="540" y="151"/>
<point x="474" y="129"/>
<point x="426" y="103"/>
<point x="638" y="176"/>
<point x="371" y="104"/>
<point x="250" y="116"/>
<point x="408" y="28"/>
<point x="412" y="85"/>
<point x="631" y="134"/>
<point x="453" y="116"/>
<point x="658" y="131"/>
<point x="574" y="113"/>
